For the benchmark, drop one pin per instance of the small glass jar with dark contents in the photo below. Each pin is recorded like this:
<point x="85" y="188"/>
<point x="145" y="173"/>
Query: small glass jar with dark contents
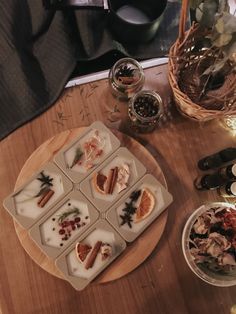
<point x="145" y="110"/>
<point x="126" y="78"/>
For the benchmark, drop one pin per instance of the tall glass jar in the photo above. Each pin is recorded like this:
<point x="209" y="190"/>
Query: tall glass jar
<point x="145" y="110"/>
<point x="126" y="78"/>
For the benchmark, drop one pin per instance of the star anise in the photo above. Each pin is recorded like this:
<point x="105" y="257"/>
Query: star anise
<point x="135" y="195"/>
<point x="45" y="180"/>
<point x="129" y="208"/>
<point x="124" y="70"/>
<point x="126" y="219"/>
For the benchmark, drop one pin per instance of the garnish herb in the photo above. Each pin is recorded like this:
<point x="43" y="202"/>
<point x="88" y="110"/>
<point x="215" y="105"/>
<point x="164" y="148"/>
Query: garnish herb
<point x="75" y="211"/>
<point x="78" y="156"/>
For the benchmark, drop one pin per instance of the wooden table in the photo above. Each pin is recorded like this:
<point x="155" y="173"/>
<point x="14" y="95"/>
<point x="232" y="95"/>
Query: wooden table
<point x="163" y="283"/>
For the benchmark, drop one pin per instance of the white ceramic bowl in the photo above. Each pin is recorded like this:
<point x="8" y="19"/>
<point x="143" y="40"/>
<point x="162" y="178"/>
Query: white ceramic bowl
<point x="213" y="278"/>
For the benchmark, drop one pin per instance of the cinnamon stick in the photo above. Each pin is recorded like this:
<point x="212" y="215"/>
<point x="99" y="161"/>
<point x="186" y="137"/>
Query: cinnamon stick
<point x="113" y="181"/>
<point x="93" y="255"/>
<point x="128" y="80"/>
<point x="45" y="198"/>
<point x="109" y="180"/>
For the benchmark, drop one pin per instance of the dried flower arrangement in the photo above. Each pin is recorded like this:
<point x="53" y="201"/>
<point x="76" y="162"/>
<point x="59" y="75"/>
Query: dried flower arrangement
<point x="203" y="61"/>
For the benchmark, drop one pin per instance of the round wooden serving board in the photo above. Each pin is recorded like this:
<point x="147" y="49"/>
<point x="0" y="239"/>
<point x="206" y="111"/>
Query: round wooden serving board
<point x="136" y="252"/>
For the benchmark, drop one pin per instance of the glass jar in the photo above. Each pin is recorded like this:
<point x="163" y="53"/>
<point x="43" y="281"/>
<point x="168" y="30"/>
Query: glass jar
<point x="126" y="78"/>
<point x="145" y="110"/>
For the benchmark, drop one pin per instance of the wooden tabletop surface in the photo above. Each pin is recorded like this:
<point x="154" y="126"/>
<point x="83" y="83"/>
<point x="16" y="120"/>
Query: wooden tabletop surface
<point x="163" y="283"/>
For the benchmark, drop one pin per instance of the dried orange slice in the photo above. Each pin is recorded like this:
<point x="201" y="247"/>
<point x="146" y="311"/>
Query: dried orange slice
<point x="82" y="250"/>
<point x="99" y="182"/>
<point x="146" y="205"/>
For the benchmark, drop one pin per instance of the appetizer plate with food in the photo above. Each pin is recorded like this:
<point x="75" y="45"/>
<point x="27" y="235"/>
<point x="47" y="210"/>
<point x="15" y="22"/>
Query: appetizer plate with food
<point x="209" y="243"/>
<point x="67" y="220"/>
<point x="40" y="193"/>
<point x="79" y="158"/>
<point x="90" y="254"/>
<point x="112" y="179"/>
<point x="139" y="207"/>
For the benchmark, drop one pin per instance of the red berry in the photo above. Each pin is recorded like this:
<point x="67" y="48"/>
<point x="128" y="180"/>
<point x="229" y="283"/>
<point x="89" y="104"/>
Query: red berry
<point x="72" y="222"/>
<point x="77" y="219"/>
<point x="73" y="227"/>
<point x="61" y="231"/>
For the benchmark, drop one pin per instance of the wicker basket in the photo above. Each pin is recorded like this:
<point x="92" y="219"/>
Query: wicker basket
<point x="182" y="62"/>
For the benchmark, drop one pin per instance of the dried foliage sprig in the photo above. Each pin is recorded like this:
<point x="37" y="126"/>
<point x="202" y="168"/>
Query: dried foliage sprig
<point x="215" y="15"/>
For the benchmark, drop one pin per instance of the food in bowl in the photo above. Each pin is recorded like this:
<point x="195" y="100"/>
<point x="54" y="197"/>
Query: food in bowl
<point x="209" y="243"/>
<point x="212" y="241"/>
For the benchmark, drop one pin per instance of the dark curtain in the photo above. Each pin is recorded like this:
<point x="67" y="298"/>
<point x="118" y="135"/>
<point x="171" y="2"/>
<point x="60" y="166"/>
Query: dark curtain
<point x="39" y="50"/>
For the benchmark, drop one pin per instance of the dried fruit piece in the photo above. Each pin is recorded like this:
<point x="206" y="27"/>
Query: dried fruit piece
<point x="99" y="182"/>
<point x="82" y="251"/>
<point x="146" y="205"/>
